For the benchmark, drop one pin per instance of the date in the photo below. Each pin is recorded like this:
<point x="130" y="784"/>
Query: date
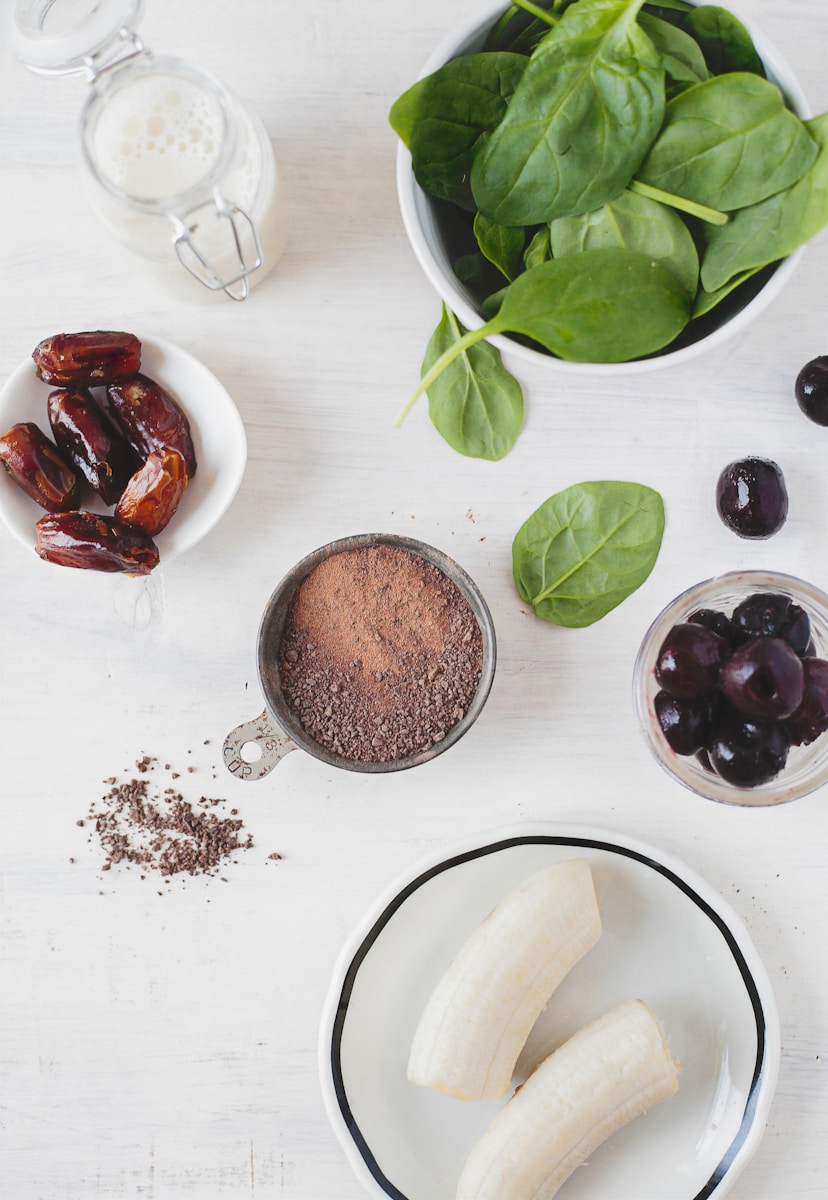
<point x="93" y="542"/>
<point x="97" y="357"/>
<point x="151" y="418"/>
<point x="36" y="466"/>
<point x="154" y="492"/>
<point x="89" y="440"/>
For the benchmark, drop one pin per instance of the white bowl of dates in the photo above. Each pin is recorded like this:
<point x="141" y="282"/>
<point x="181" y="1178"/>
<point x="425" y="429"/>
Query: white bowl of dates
<point x="119" y="452"/>
<point x="569" y="183"/>
<point x="731" y="688"/>
<point x="375" y="653"/>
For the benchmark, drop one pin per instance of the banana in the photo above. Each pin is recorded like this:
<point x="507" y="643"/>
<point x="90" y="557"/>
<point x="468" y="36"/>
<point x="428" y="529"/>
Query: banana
<point x="479" y="1015"/>
<point x="609" y="1072"/>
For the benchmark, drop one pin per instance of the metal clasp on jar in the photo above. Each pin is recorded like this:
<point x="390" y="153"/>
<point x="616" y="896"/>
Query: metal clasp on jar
<point x="189" y="255"/>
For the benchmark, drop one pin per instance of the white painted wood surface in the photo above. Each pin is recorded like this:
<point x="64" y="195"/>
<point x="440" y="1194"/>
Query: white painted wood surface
<point x="165" y="1045"/>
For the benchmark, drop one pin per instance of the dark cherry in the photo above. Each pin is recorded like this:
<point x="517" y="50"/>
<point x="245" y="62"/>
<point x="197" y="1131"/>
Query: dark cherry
<point x="751" y="497"/>
<point x="764" y="679"/>
<point x="811" y="389"/>
<point x="747" y="753"/>
<point x="689" y="660"/>
<point x="810" y="720"/>
<point x="711" y="618"/>
<point x="684" y="723"/>
<point x="768" y="614"/>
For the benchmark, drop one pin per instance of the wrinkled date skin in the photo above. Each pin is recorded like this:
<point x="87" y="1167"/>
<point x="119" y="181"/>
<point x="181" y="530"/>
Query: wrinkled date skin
<point x="151" y="418"/>
<point x="87" y="437"/>
<point x="87" y="359"/>
<point x="37" y="467"/>
<point x="95" y="543"/>
<point x="154" y="492"/>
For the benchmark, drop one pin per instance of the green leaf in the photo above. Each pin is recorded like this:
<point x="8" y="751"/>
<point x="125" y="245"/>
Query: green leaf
<point x="586" y="549"/>
<point x="726" y="44"/>
<point x="729" y="142"/>
<point x="538" y="250"/>
<point x="502" y="245"/>
<point x="636" y="223"/>
<point x="476" y="405"/>
<point x="580" y="121"/>
<point x="443" y="118"/>
<point x="681" y="55"/>
<point x="597" y="306"/>
<point x="774" y="228"/>
<point x="705" y="301"/>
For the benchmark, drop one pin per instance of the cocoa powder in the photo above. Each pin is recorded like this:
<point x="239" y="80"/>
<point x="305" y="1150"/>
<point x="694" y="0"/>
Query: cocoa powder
<point x="381" y="654"/>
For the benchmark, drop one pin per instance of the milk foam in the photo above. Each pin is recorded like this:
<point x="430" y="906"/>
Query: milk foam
<point x="158" y="137"/>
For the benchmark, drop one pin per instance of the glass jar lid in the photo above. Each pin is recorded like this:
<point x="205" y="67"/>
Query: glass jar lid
<point x="68" y="37"/>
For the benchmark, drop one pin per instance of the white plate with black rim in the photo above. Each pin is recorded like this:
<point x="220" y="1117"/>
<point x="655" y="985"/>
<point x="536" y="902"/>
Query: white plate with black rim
<point x="668" y="938"/>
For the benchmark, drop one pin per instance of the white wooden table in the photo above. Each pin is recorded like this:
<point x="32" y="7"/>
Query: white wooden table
<point x="165" y="1045"/>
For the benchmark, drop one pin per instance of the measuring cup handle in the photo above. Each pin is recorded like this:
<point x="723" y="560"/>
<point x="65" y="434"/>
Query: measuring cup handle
<point x="261" y="732"/>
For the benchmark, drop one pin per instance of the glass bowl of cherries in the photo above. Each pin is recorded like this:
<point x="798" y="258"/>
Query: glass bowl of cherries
<point x="731" y="688"/>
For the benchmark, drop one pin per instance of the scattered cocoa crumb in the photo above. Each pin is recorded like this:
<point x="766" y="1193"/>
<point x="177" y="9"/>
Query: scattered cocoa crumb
<point x="139" y="821"/>
<point x="275" y="855"/>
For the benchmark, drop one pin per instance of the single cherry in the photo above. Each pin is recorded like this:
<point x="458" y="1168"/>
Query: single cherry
<point x="769" y="614"/>
<point x="689" y="660"/>
<point x="811" y="389"/>
<point x="747" y="753"/>
<point x="751" y="497"/>
<point x="764" y="679"/>
<point x="684" y="723"/>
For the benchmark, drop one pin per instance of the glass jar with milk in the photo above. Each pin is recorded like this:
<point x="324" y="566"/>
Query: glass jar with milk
<point x="177" y="167"/>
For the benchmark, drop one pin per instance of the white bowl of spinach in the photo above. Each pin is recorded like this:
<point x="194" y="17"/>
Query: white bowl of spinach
<point x="607" y="186"/>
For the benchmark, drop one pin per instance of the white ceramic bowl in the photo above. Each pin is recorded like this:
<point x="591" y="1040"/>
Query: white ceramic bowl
<point x="668" y="938"/>
<point x="807" y="766"/>
<point x="218" y="438"/>
<point x="421" y="217"/>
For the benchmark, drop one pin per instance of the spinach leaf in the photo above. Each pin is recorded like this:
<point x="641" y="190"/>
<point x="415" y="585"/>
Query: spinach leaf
<point x="476" y="405"/>
<point x="705" y="301"/>
<point x="586" y="549"/>
<point x="681" y="55"/>
<point x="775" y="227"/>
<point x="724" y="41"/>
<point x="442" y="119"/>
<point x="502" y="245"/>
<point x="632" y="222"/>
<point x="539" y="249"/>
<point x="519" y="31"/>
<point x="580" y="121"/>
<point x="607" y="305"/>
<point x="597" y="306"/>
<point x="728" y="142"/>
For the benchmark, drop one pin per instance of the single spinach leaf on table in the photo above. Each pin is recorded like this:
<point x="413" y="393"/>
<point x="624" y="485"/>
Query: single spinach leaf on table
<point x="636" y="223"/>
<point x="774" y="228"/>
<point x="728" y="142"/>
<point x="476" y="405"/>
<point x="502" y="245"/>
<point x="442" y="118"/>
<point x="726" y="44"/>
<point x="580" y="121"/>
<point x="586" y="549"/>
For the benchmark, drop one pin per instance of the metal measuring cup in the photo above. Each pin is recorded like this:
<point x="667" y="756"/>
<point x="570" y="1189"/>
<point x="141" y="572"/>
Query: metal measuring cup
<point x="278" y="729"/>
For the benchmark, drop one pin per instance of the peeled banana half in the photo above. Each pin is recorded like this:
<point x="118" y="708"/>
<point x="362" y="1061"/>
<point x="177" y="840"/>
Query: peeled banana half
<point x="609" y="1072"/>
<point x="479" y="1015"/>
